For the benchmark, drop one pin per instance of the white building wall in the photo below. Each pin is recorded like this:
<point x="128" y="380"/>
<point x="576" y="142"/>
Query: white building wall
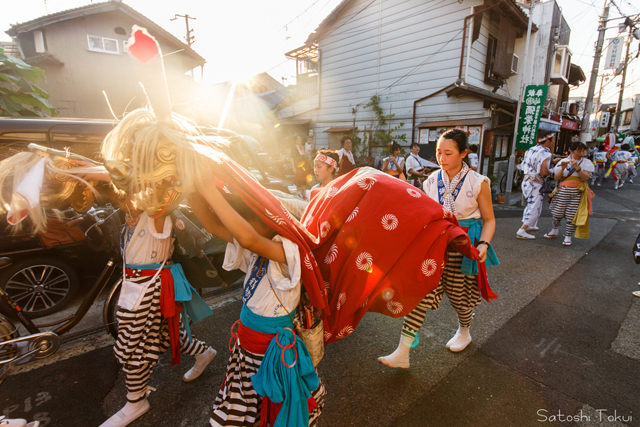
<point x="403" y="51"/>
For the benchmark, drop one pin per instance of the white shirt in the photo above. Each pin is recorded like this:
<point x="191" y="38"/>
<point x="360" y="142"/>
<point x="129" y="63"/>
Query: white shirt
<point x="633" y="160"/>
<point x="473" y="159"/>
<point x="414" y="162"/>
<point x="600" y="156"/>
<point x="584" y="164"/>
<point x="142" y="244"/>
<point x="349" y="154"/>
<point x="533" y="159"/>
<point x="621" y="156"/>
<point x="466" y="204"/>
<point x="285" y="278"/>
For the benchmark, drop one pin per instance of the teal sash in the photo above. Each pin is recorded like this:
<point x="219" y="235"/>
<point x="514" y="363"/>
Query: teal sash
<point x="475" y="230"/>
<point x="291" y="386"/>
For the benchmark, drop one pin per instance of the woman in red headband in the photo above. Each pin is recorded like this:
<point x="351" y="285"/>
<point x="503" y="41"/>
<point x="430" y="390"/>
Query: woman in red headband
<point x="325" y="167"/>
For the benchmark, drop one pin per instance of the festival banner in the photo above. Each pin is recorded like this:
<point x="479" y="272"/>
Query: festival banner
<point x="530" y="114"/>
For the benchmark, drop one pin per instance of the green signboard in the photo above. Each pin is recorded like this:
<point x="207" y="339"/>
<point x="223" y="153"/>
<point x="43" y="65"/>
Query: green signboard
<point x="530" y="113"/>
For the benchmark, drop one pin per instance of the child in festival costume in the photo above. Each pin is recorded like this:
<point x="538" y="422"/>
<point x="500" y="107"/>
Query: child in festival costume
<point x="571" y="200"/>
<point x="600" y="163"/>
<point x="325" y="167"/>
<point x="150" y="312"/>
<point x="394" y="164"/>
<point x="620" y="165"/>
<point x="467" y="195"/>
<point x="262" y="356"/>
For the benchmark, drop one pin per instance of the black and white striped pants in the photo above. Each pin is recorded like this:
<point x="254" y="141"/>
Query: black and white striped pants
<point x="461" y="289"/>
<point x="565" y="205"/>
<point x="143" y="336"/>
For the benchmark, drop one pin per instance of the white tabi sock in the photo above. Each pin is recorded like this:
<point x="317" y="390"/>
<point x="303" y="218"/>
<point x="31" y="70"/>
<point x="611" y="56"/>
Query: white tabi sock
<point x="129" y="412"/>
<point x="400" y="357"/>
<point x="460" y="340"/>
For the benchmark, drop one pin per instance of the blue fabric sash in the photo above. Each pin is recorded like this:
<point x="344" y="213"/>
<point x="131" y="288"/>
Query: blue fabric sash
<point x="441" y="189"/>
<point x="289" y="386"/>
<point x="475" y="230"/>
<point x="193" y="304"/>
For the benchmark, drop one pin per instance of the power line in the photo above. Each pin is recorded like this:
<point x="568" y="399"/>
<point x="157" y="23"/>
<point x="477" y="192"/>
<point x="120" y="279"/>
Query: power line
<point x="305" y="11"/>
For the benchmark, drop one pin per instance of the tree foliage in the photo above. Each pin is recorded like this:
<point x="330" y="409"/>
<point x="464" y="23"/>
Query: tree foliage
<point x="19" y="93"/>
<point x="381" y="131"/>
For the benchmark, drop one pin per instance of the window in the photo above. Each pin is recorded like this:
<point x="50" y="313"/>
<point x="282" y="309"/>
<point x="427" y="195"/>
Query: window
<point x="103" y="44"/>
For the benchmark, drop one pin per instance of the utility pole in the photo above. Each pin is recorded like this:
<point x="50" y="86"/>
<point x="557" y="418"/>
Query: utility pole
<point x="624" y="76"/>
<point x="585" y="130"/>
<point x="189" y="38"/>
<point x="523" y="85"/>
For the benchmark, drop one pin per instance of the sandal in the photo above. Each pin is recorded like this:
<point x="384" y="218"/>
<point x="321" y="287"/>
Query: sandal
<point x="550" y="236"/>
<point x="565" y="243"/>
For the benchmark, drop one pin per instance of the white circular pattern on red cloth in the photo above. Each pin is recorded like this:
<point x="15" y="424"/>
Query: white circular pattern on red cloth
<point x="331" y="256"/>
<point x="414" y="193"/>
<point x="275" y="218"/>
<point x="345" y="331"/>
<point x="389" y="222"/>
<point x="353" y="214"/>
<point x="429" y="267"/>
<point x="364" y="261"/>
<point x="307" y="262"/>
<point x="394" y="307"/>
<point x="324" y="228"/>
<point x="341" y="300"/>
<point x="366" y="183"/>
<point x="327" y="335"/>
<point x="332" y="192"/>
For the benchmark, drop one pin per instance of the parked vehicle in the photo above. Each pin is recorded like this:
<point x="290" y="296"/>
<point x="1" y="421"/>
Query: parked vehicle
<point x="46" y="269"/>
<point x="102" y="228"/>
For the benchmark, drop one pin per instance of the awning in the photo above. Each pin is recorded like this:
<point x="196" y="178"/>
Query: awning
<point x="549" y="125"/>
<point x="341" y="129"/>
<point x="448" y="123"/>
<point x="576" y="75"/>
<point x="478" y="92"/>
<point x="569" y="124"/>
<point x="294" y="121"/>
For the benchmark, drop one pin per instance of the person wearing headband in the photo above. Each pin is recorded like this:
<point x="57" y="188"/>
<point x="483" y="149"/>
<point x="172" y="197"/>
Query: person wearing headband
<point x="325" y="167"/>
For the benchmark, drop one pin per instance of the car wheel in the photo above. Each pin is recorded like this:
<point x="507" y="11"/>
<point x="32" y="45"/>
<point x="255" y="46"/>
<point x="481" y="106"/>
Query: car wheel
<point x="40" y="286"/>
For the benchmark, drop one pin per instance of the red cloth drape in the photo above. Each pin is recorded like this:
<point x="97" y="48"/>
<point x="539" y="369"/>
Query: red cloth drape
<point x="370" y="242"/>
<point x="169" y="308"/>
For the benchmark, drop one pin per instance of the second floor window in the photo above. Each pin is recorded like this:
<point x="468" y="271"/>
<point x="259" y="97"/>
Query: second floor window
<point x="103" y="44"/>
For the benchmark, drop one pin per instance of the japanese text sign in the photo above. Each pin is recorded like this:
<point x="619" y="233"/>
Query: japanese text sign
<point x="530" y="113"/>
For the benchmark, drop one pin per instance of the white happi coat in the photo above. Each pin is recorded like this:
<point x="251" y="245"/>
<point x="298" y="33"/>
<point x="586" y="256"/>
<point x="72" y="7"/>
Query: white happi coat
<point x="532" y="184"/>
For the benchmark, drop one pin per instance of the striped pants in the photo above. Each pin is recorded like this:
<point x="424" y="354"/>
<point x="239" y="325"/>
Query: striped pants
<point x="238" y="403"/>
<point x="143" y="336"/>
<point x="565" y="205"/>
<point x="461" y="289"/>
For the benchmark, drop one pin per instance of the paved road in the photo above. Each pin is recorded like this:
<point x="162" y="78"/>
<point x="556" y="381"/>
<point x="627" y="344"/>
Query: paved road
<point x="562" y="340"/>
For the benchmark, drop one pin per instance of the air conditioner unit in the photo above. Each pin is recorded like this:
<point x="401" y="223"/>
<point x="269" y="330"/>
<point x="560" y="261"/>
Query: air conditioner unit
<point x="514" y="64"/>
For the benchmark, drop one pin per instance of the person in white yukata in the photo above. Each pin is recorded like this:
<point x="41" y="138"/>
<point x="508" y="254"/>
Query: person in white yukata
<point x="621" y="169"/>
<point x="600" y="162"/>
<point x="535" y="167"/>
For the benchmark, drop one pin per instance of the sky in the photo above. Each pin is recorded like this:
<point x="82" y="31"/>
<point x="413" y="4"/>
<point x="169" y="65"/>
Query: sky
<point x="241" y="38"/>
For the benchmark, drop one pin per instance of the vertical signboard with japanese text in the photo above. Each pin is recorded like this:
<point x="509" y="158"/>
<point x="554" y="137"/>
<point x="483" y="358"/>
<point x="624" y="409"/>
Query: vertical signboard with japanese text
<point x="614" y="54"/>
<point x="530" y="113"/>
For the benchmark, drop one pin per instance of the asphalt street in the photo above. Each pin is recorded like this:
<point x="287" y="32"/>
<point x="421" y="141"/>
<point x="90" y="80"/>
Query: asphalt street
<point x="560" y="346"/>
